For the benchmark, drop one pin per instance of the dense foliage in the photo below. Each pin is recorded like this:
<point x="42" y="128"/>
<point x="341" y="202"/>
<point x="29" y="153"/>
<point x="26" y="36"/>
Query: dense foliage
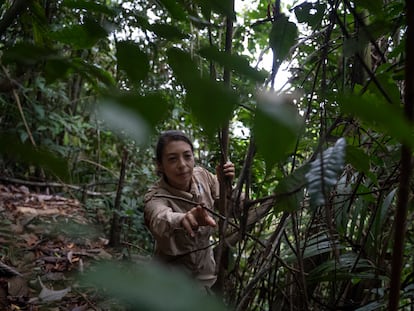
<point x="324" y="163"/>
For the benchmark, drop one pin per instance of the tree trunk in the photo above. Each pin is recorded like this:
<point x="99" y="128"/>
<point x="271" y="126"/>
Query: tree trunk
<point x="405" y="167"/>
<point x="225" y="186"/>
<point x="116" y="227"/>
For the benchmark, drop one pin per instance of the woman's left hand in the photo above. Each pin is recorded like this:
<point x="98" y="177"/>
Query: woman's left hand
<point x="228" y="170"/>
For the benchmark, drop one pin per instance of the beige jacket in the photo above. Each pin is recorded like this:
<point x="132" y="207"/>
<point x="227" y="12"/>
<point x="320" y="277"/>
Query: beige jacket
<point x="163" y="215"/>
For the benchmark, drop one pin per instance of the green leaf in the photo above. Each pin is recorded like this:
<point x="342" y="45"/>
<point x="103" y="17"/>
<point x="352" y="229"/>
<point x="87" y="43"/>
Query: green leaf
<point x="174" y="9"/>
<point x="27" y="54"/>
<point x="224" y="7"/>
<point x="168" y="32"/>
<point x="339" y="269"/>
<point x="82" y="36"/>
<point x="378" y="114"/>
<point x="39" y="23"/>
<point x="235" y="62"/>
<point x="290" y="190"/>
<point x="373" y="6"/>
<point x="385" y="77"/>
<point x="276" y="127"/>
<point x="310" y="13"/>
<point x="152" y="107"/>
<point x="132" y="60"/>
<point x="183" y="66"/>
<point x="141" y="286"/>
<point x="133" y="114"/>
<point x="282" y="37"/>
<point x="381" y="214"/>
<point x="358" y="158"/>
<point x="90" y="6"/>
<point x="211" y="103"/>
<point x="92" y="72"/>
<point x="56" y="69"/>
<point x="37" y="156"/>
<point x="323" y="173"/>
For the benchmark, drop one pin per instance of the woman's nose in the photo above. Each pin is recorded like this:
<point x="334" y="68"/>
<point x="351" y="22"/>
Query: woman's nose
<point x="181" y="162"/>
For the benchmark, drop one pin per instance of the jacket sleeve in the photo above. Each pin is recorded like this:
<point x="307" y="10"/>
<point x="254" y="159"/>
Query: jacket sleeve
<point x="160" y="219"/>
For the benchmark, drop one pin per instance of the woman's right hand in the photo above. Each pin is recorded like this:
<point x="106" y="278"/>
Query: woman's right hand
<point x="195" y="218"/>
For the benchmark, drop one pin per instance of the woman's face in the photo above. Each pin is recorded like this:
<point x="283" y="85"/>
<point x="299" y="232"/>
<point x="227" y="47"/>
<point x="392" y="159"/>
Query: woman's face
<point x="177" y="164"/>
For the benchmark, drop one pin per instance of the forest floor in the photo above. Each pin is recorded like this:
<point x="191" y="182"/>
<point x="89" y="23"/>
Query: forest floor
<point x="46" y="242"/>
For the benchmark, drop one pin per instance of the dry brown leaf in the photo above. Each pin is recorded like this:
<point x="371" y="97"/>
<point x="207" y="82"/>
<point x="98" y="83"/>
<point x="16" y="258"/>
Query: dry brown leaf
<point x="49" y="295"/>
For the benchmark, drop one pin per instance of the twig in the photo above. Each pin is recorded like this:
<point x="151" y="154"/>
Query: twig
<point x="168" y="196"/>
<point x="86" y="299"/>
<point x="212" y="212"/>
<point x="19" y="106"/>
<point x="272" y="253"/>
<point x="53" y="184"/>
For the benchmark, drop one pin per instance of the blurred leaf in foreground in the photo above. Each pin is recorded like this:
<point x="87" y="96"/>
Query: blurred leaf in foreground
<point x="37" y="156"/>
<point x="132" y="114"/>
<point x="276" y="127"/>
<point x="151" y="287"/>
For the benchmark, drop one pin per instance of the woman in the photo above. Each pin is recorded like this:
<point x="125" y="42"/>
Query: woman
<point x="175" y="208"/>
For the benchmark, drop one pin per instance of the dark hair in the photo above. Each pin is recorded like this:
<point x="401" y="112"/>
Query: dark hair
<point x="167" y="137"/>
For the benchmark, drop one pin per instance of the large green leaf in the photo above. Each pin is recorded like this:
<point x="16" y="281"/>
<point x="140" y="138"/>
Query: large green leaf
<point x="168" y="32"/>
<point x="323" y="173"/>
<point x="386" y="78"/>
<point x="92" y="72"/>
<point x="82" y="36"/>
<point x="133" y="114"/>
<point x="27" y="54"/>
<point x="378" y="114"/>
<point x="174" y="9"/>
<point x="210" y="102"/>
<point x="150" y="287"/>
<point x="282" y="37"/>
<point x="57" y="66"/>
<point x="340" y="269"/>
<point x="235" y="62"/>
<point x="152" y="107"/>
<point x="183" y="66"/>
<point x="382" y="215"/>
<point x="132" y="60"/>
<point x="37" y="156"/>
<point x="290" y="190"/>
<point x="310" y="13"/>
<point x="374" y="6"/>
<point x="276" y="127"/>
<point x="56" y="69"/>
<point x="223" y="7"/>
<point x="358" y="158"/>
